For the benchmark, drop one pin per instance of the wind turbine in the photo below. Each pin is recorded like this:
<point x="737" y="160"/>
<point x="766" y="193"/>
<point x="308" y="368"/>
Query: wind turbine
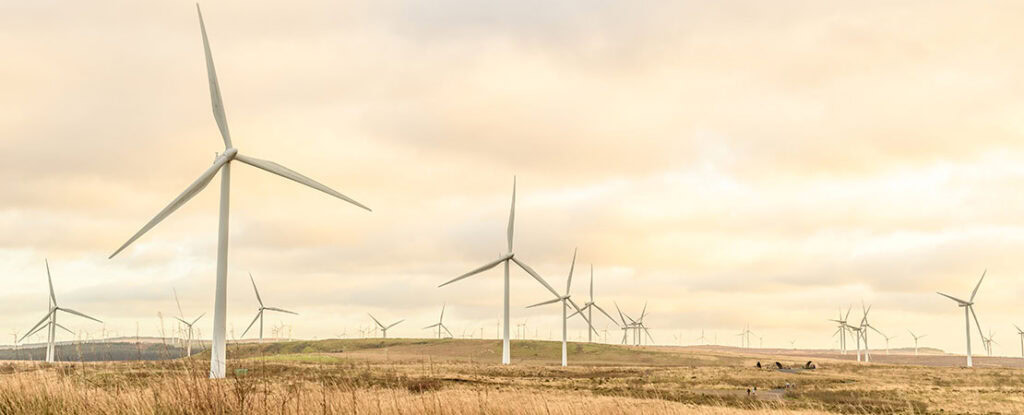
<point x="440" y="325"/>
<point x="968" y="313"/>
<point x="50" y="320"/>
<point x="843" y="327"/>
<point x="1021" y="334"/>
<point x="223" y="164"/>
<point x="887" y="338"/>
<point x="864" y="326"/>
<point x="259" y="314"/>
<point x="383" y="328"/>
<point x="701" y="339"/>
<point x="916" y="338"/>
<point x="589" y="308"/>
<point x="566" y="302"/>
<point x="505" y="259"/>
<point x="181" y="318"/>
<point x="988" y="342"/>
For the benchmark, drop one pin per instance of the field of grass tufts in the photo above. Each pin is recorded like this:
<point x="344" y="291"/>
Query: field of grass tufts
<point x="414" y="376"/>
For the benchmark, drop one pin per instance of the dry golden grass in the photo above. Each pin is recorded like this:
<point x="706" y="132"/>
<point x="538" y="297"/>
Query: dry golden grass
<point x="437" y="377"/>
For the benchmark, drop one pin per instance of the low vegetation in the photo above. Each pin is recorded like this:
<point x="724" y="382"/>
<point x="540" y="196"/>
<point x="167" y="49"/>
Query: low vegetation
<point x="405" y="376"/>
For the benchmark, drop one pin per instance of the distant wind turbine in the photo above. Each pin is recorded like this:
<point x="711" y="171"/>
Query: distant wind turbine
<point x="589" y="308"/>
<point x="259" y="313"/>
<point x="968" y="313"/>
<point x="50" y="320"/>
<point x="218" y="351"/>
<point x="1021" y="334"/>
<point x="440" y="325"/>
<point x="383" y="328"/>
<point x="506" y="259"/>
<point x="843" y="327"/>
<point x="916" y="338"/>
<point x="181" y="318"/>
<point x="566" y="302"/>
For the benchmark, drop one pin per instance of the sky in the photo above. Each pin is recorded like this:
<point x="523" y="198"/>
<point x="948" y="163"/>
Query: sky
<point x="726" y="163"/>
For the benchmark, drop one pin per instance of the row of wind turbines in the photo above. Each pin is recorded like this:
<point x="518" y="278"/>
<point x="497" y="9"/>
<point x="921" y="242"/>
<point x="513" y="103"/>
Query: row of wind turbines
<point x="635" y="328"/>
<point x="860" y="330"/>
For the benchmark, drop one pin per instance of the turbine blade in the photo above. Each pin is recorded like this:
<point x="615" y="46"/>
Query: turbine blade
<point x="976" y="323"/>
<point x="375" y="320"/>
<point x="512" y="215"/>
<point x="34" y="331"/>
<point x="35" y="328"/>
<point x="648" y="334"/>
<point x="603" y="312"/>
<point x="442" y="313"/>
<point x="258" y="299"/>
<point x="296" y="177"/>
<point x="215" y="98"/>
<point x="643" y="313"/>
<point x="975" y="292"/>
<point x="253" y="322"/>
<point x="446" y="329"/>
<point x="197" y="319"/>
<point x="190" y="192"/>
<point x="65" y="329"/>
<point x="180" y="313"/>
<point x="620" y="313"/>
<point x="579" y="311"/>
<point x="432" y="326"/>
<point x="545" y="303"/>
<point x="848" y="313"/>
<point x="535" y="276"/>
<point x="280" y="310"/>
<point x="77" y="313"/>
<point x="394" y="324"/>
<point x="183" y="321"/>
<point x="952" y="298"/>
<point x="572" y="267"/>
<point x="477" y="271"/>
<point x="49" y="279"/>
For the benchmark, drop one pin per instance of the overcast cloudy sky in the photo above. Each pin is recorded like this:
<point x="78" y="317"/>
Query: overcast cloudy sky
<point x="729" y="162"/>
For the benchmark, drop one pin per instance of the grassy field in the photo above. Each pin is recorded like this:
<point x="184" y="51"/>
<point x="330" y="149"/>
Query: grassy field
<point x="413" y="376"/>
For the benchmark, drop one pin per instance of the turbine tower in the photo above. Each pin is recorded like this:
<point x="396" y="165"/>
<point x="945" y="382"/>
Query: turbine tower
<point x="259" y="313"/>
<point x="440" y="325"/>
<point x="566" y="302"/>
<point x="49" y="321"/>
<point x="181" y="318"/>
<point x="968" y="313"/>
<point x="916" y="338"/>
<point x="505" y="259"/>
<point x="701" y="339"/>
<point x="383" y="328"/>
<point x="218" y="351"/>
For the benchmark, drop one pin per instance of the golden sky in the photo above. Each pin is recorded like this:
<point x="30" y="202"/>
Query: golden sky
<point x="731" y="163"/>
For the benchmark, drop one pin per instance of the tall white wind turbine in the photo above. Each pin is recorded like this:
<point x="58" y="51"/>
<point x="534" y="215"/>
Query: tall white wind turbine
<point x="188" y="325"/>
<point x="50" y="320"/>
<point x="383" y="328"/>
<point x="223" y="164"/>
<point x="506" y="259"/>
<point x="916" y="338"/>
<point x="864" y="326"/>
<point x="968" y="313"/>
<point x="259" y="313"/>
<point x="440" y="325"/>
<point x="566" y="302"/>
